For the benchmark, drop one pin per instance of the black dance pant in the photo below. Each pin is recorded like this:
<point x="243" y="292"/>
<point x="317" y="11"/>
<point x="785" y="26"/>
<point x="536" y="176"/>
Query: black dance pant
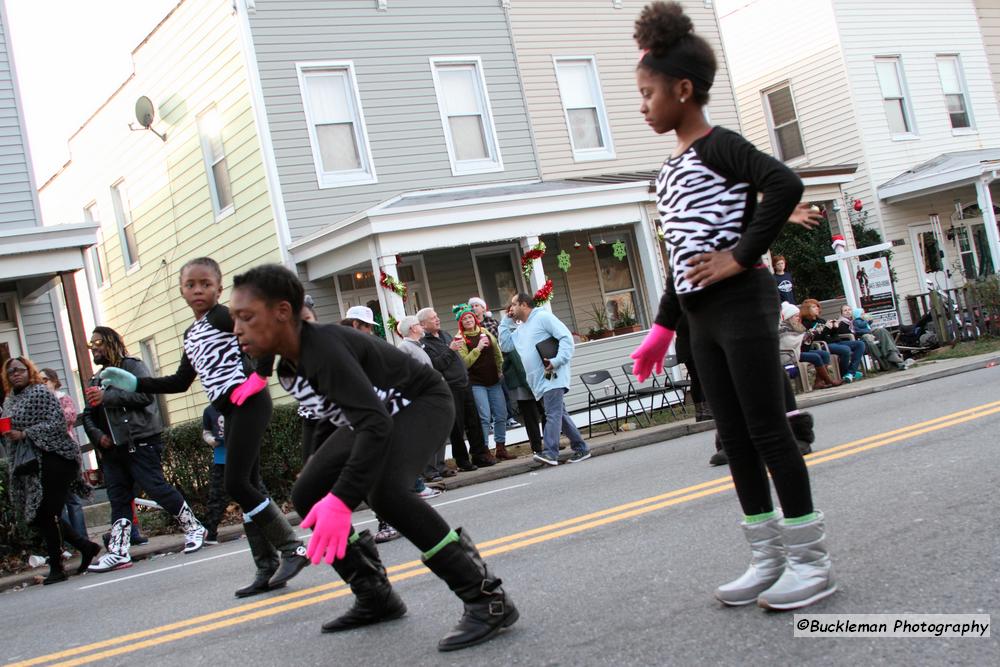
<point x="465" y="423"/>
<point x="245" y="426"/>
<point x="57" y="474"/>
<point x="734" y="339"/>
<point x="417" y="430"/>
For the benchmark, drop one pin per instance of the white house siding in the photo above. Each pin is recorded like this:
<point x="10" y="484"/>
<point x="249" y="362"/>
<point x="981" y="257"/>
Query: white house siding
<point x="190" y="62"/>
<point x="390" y="51"/>
<point x="916" y="31"/>
<point x="989" y="25"/>
<point x="546" y="28"/>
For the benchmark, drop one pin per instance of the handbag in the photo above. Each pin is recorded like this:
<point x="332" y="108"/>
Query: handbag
<point x="25" y="460"/>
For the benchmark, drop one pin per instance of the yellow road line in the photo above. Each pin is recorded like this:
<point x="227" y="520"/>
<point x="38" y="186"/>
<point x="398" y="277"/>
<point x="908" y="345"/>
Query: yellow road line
<point x="316" y="594"/>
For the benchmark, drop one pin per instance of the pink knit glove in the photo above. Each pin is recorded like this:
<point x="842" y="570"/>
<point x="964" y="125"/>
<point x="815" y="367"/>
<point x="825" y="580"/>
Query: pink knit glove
<point x="330" y="520"/>
<point x="250" y="386"/>
<point x="650" y="354"/>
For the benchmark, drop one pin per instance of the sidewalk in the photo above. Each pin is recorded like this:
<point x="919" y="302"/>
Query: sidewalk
<point x="599" y="445"/>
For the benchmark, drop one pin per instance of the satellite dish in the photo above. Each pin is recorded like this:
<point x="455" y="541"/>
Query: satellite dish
<point x="144" y="111"/>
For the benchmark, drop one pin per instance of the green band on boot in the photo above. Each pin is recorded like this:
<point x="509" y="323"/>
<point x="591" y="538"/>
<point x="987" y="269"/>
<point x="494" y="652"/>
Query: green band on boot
<point x="353" y="538"/>
<point x="806" y="518"/>
<point x="452" y="536"/>
<point x="759" y="518"/>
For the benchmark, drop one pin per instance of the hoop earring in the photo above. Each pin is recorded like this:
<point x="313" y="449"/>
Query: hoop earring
<point x="683" y="100"/>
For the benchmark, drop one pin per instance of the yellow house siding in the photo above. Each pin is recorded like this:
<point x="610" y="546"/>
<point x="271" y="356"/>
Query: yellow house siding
<point x="190" y="63"/>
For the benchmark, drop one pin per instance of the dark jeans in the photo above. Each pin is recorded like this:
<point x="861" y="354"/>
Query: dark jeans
<point x="123" y="470"/>
<point x="57" y="474"/>
<point x="245" y="426"/>
<point x="530" y="418"/>
<point x="744" y="381"/>
<point x="417" y="431"/>
<point x="466" y="424"/>
<point x="850" y="353"/>
<point x="73" y="514"/>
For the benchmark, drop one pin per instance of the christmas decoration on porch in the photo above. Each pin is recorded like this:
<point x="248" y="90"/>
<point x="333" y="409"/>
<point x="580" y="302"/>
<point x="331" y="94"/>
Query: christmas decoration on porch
<point x="590" y="247"/>
<point x="393" y="284"/>
<point x="619" y="251"/>
<point x="392" y="325"/>
<point x="536" y="252"/>
<point x="544" y="295"/>
<point x="564" y="261"/>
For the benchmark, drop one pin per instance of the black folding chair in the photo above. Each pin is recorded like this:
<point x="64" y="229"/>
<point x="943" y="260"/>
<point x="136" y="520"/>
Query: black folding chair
<point x="607" y="394"/>
<point x="680" y="387"/>
<point x="641" y="391"/>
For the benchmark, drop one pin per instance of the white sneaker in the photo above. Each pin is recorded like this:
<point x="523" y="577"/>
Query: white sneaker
<point x="109" y="562"/>
<point x="194" y="539"/>
<point x="429" y="492"/>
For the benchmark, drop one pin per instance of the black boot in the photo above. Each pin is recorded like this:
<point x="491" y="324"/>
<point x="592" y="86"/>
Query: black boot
<point x="279" y="533"/>
<point x="265" y="557"/>
<point x="719" y="458"/>
<point x="88" y="550"/>
<point x="702" y="412"/>
<point x="487" y="607"/>
<point x="802" y="428"/>
<point x="56" y="572"/>
<point x="375" y="600"/>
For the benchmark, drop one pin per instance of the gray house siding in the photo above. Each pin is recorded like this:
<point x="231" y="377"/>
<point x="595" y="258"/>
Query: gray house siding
<point x="390" y="52"/>
<point x="17" y="202"/>
<point x="41" y="333"/>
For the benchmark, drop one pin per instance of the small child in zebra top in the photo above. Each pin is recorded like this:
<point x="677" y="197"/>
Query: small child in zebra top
<point x="717" y="230"/>
<point x="213" y="355"/>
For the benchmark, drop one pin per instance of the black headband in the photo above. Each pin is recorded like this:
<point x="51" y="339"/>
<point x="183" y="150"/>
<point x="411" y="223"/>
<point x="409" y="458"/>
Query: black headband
<point x="701" y="76"/>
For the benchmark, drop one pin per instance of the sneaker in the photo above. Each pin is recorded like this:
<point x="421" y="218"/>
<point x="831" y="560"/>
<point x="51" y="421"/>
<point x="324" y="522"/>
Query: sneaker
<point x="109" y="562"/>
<point x="386" y="533"/>
<point x="580" y="456"/>
<point x="194" y="539"/>
<point x="429" y="492"/>
<point x="467" y="466"/>
<point x="433" y="478"/>
<point x="858" y="375"/>
<point x="718" y="459"/>
<point x="543" y="457"/>
<point x="848" y="378"/>
<point x="513" y="423"/>
<point x="211" y="538"/>
<point x="66" y="555"/>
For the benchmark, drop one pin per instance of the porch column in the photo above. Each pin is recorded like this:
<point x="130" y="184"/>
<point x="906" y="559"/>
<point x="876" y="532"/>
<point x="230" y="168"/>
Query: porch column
<point x="77" y="331"/>
<point x="985" y="200"/>
<point x="537" y="278"/>
<point x="651" y="262"/>
<point x="392" y="303"/>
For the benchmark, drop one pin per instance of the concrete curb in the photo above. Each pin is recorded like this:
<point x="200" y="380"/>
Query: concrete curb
<point x="599" y="446"/>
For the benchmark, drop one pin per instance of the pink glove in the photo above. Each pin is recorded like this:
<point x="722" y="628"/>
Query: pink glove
<point x="650" y="354"/>
<point x="330" y="520"/>
<point x="250" y="386"/>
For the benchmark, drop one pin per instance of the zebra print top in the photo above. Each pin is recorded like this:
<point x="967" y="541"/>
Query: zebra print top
<point x="707" y="201"/>
<point x="314" y="406"/>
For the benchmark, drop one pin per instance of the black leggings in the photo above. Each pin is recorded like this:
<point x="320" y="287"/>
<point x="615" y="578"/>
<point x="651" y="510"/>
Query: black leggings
<point x="57" y="474"/>
<point x="245" y="425"/>
<point x="734" y="340"/>
<point x="417" y="431"/>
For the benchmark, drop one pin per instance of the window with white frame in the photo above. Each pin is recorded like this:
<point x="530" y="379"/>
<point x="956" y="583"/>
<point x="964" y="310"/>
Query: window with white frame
<point x="784" y="121"/>
<point x="897" y="108"/>
<point x="337" y="132"/>
<point x="126" y="230"/>
<point x="91" y="215"/>
<point x="618" y="278"/>
<point x="583" y="104"/>
<point x="955" y="97"/>
<point x="466" y="116"/>
<point x="216" y="165"/>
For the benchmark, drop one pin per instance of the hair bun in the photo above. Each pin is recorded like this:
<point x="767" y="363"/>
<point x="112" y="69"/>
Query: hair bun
<point x="661" y="25"/>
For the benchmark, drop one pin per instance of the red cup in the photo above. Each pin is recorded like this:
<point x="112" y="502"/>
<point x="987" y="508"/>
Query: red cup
<point x="5" y="425"/>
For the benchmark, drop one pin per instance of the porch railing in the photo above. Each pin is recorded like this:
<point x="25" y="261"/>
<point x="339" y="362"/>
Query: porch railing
<point x="958" y="313"/>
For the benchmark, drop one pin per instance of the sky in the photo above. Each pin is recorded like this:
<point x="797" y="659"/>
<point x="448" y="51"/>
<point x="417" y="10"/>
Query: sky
<point x="70" y="56"/>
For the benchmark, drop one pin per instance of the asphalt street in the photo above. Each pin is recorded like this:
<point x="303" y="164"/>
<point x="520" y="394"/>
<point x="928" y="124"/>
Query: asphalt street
<point x="612" y="561"/>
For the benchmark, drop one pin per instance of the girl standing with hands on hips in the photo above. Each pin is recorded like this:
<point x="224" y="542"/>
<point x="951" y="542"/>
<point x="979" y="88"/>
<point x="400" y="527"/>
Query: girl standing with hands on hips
<point x="212" y="354"/>
<point x="392" y="413"/>
<point x="707" y="196"/>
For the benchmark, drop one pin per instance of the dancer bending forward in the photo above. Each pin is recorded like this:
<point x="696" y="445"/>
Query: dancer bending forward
<point x="399" y="411"/>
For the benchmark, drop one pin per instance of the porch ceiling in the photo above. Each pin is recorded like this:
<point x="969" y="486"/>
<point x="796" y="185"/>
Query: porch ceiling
<point x="944" y="172"/>
<point x="40" y="253"/>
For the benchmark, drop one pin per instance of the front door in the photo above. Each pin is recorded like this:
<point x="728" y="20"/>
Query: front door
<point x="930" y="256"/>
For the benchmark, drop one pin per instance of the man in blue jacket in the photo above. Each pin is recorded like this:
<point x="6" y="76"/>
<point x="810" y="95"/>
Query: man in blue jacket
<point x="522" y="328"/>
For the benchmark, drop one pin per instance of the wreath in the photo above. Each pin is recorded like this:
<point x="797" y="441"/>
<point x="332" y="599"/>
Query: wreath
<point x="393" y="285"/>
<point x="536" y="252"/>
<point x="392" y="324"/>
<point x="544" y="295"/>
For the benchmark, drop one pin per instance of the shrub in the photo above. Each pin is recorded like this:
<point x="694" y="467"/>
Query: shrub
<point x="16" y="539"/>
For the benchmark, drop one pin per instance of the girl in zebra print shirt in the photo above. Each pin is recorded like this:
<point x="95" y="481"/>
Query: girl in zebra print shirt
<point x="707" y="196"/>
<point x="212" y="354"/>
<point x="393" y="412"/>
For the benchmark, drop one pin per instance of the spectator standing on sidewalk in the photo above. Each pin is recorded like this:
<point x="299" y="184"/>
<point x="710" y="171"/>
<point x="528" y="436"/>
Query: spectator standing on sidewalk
<point x="73" y="511"/>
<point x="126" y="427"/>
<point x="488" y="322"/>
<point x="443" y="351"/>
<point x="548" y="378"/>
<point x="213" y="432"/>
<point x="481" y="353"/>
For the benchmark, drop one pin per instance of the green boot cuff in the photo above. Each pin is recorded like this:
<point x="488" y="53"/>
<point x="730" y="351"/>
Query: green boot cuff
<point x="759" y="518"/>
<point x="452" y="536"/>
<point x="806" y="518"/>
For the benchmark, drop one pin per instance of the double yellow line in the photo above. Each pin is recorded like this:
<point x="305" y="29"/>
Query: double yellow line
<point x="296" y="600"/>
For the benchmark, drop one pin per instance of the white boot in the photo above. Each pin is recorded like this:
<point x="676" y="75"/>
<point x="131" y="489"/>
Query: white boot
<point x="117" y="556"/>
<point x="767" y="562"/>
<point x="194" y="532"/>
<point x="808" y="575"/>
